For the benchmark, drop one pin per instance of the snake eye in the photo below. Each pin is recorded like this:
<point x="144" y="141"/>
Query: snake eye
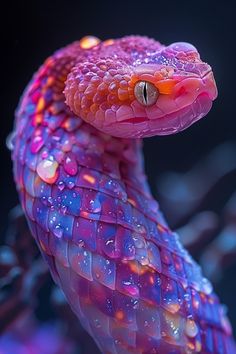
<point x="146" y="93"/>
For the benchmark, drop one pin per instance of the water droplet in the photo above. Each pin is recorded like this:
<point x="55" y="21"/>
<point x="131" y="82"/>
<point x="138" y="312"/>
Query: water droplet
<point x="110" y="242"/>
<point x="50" y="200"/>
<point x="187" y="297"/>
<point x="135" y="304"/>
<point x="143" y="260"/>
<point x="47" y="170"/>
<point x="207" y="286"/>
<point x="95" y="206"/>
<point x="71" y="184"/>
<point x="138" y="241"/>
<point x="61" y="185"/>
<point x="10" y="142"/>
<point x="64" y="209"/>
<point x="70" y="164"/>
<point x="58" y="232"/>
<point x="191" y="328"/>
<point x="130" y="288"/>
<point x="36" y="144"/>
<point x="97" y="323"/>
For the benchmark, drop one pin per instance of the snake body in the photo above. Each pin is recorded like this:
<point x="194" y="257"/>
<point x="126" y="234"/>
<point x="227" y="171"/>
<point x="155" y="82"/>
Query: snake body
<point x="78" y="168"/>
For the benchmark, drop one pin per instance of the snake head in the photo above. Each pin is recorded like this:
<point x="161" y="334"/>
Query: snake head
<point x="140" y="92"/>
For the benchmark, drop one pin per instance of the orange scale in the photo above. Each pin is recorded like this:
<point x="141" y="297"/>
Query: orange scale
<point x="166" y="86"/>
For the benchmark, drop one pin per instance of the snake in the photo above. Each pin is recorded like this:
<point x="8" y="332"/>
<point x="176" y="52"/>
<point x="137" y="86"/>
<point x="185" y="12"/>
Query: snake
<point x="79" y="171"/>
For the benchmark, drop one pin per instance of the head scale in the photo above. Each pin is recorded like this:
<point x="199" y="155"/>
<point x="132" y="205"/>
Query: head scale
<point x="135" y="87"/>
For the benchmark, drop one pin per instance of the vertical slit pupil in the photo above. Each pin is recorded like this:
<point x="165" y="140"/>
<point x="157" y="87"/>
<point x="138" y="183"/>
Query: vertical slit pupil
<point x="145" y="92"/>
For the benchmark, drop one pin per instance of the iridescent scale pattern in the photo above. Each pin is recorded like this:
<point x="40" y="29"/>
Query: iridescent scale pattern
<point x="123" y="271"/>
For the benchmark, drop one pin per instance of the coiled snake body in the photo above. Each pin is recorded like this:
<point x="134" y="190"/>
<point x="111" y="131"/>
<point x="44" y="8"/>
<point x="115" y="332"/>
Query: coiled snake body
<point x="79" y="172"/>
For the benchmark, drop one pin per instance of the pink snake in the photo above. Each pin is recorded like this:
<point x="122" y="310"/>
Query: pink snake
<point x="78" y="168"/>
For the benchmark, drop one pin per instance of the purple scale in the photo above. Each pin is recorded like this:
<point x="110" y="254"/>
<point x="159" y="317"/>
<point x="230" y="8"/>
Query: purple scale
<point x="104" y="271"/>
<point x="229" y="343"/>
<point x="56" y="137"/>
<point x="22" y="151"/>
<point x="30" y="109"/>
<point x="127" y="279"/>
<point x="181" y="299"/>
<point x="52" y="266"/>
<point x="168" y="238"/>
<point x="27" y="133"/>
<point x="90" y="204"/>
<point x="60" y="224"/>
<point x="154" y="257"/>
<point x="56" y="107"/>
<point x="124" y="214"/>
<point x="97" y="320"/>
<point x="189" y="270"/>
<point x="167" y="261"/>
<point x="64" y="276"/>
<point x="42" y="189"/>
<point x="80" y="285"/>
<point x="169" y="291"/>
<point x="102" y="297"/>
<point x="219" y="342"/>
<point x="215" y="311"/>
<point x="187" y="301"/>
<point x="41" y="214"/>
<point x="88" y="178"/>
<point x="29" y="181"/>
<point x="196" y="303"/>
<point x="125" y="310"/>
<point x="110" y="165"/>
<point x="89" y="159"/>
<point x="139" y="221"/>
<point x="18" y="169"/>
<point x="150" y="286"/>
<point x="70" y="200"/>
<point x="122" y="341"/>
<point x="207" y="340"/>
<point x="149" y="345"/>
<point x="125" y="243"/>
<point x="32" y="228"/>
<point x="108" y="206"/>
<point x="107" y="240"/>
<point x="148" y="320"/>
<point x="59" y="248"/>
<point x="178" y="264"/>
<point x="43" y="239"/>
<point x="112" y="187"/>
<point x="153" y="233"/>
<point x="80" y="260"/>
<point x="82" y="138"/>
<point x="48" y="96"/>
<point x="207" y="309"/>
<point x="72" y="123"/>
<point x="28" y="205"/>
<point x="84" y="231"/>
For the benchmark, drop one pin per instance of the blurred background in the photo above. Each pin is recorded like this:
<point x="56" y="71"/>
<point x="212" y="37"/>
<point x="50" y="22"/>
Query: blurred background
<point x="192" y="174"/>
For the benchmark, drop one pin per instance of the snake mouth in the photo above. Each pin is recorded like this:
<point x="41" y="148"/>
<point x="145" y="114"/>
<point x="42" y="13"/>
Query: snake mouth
<point x="170" y="123"/>
<point x="135" y="120"/>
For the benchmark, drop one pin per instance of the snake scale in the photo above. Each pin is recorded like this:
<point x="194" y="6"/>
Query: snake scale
<point x="78" y="167"/>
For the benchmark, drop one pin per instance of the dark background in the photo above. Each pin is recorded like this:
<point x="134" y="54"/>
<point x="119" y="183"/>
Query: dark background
<point x="33" y="30"/>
